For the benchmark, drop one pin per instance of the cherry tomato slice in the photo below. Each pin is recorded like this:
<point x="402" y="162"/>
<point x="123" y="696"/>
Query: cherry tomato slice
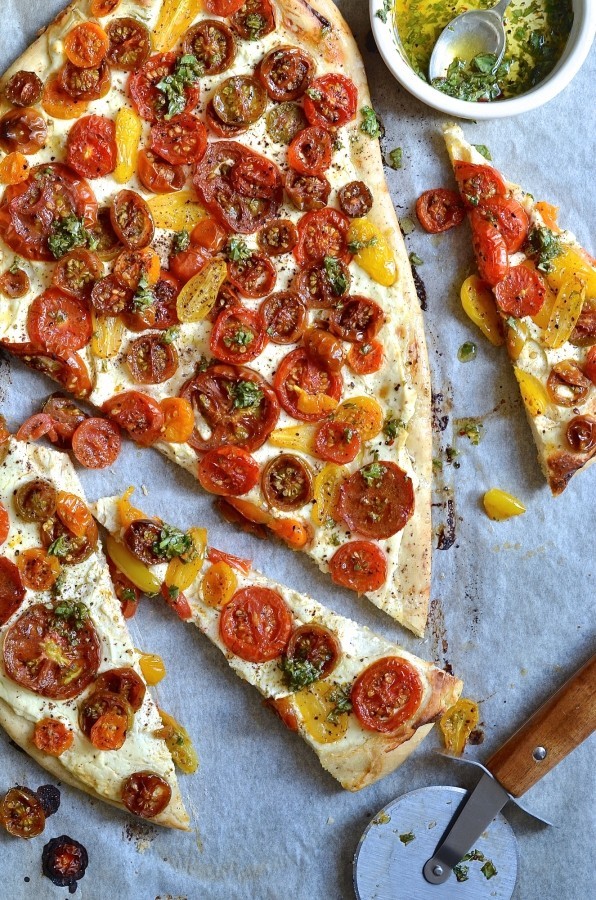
<point x="283" y="317"/>
<point x="331" y="101"/>
<point x="387" y="694"/>
<point x="76" y="273"/>
<point x="255" y="177"/>
<point x="157" y="175"/>
<point x="129" y="44"/>
<point x="322" y="233"/>
<point x="239" y="101"/>
<point x="337" y="442"/>
<point x="36" y="427"/>
<point x="256" y="624"/>
<point x="521" y="292"/>
<point x="277" y="237"/>
<point x="12" y="590"/>
<point x="477" y="184"/>
<point x="357" y="320"/>
<point x="253" y="277"/>
<point x="220" y="128"/>
<point x="15" y="284"/>
<point x="52" y="736"/>
<point x="212" y="43"/>
<point x="131" y="219"/>
<point x="228" y="471"/>
<point x="286" y="72"/>
<point x="14" y="168"/>
<point x="355" y="199"/>
<point x="310" y="151"/>
<point x="39" y="571"/>
<point x="85" y="84"/>
<point x="323" y="348"/>
<point x="177" y="601"/>
<point x="67" y="368"/>
<point x="123" y="681"/>
<point x="86" y="45"/>
<point x="96" y="443"/>
<point x="297" y="372"/>
<point x="146" y="794"/>
<point x="237" y="336"/>
<point x="4" y="523"/>
<point x="316" y="645"/>
<point x="490" y="249"/>
<point x="35" y="501"/>
<point x="51" y="654"/>
<point x="284" y="121"/>
<point x="510" y="219"/>
<point x="139" y="415"/>
<point x="590" y="365"/>
<point x="142" y="537"/>
<point x="320" y="286"/>
<point x="179" y="140"/>
<point x="57" y="103"/>
<point x="107" y="243"/>
<point x="366" y="358"/>
<point x="73" y="548"/>
<point x="110" y="297"/>
<point x="100" y="703"/>
<point x="22" y="130"/>
<point x="377" y="500"/>
<point x="91" y="147"/>
<point x="581" y="434"/>
<point x="66" y="417"/>
<point x="439" y="210"/>
<point x="208" y="234"/>
<point x="74" y="514"/>
<point x="21" y="813"/>
<point x="254" y="20"/>
<point x="151" y="359"/>
<point x="166" y="291"/>
<point x="109" y="732"/>
<point x="287" y="482"/>
<point x="133" y="265"/>
<point x="24" y="89"/>
<point x="151" y="103"/>
<point x="58" y="322"/>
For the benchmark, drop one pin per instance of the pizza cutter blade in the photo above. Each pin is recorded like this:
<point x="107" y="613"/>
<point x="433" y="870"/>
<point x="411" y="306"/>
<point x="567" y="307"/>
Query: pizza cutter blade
<point x="447" y="843"/>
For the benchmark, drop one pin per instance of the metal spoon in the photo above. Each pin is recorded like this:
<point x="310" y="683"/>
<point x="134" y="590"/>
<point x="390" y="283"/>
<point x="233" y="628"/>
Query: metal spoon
<point x="470" y="33"/>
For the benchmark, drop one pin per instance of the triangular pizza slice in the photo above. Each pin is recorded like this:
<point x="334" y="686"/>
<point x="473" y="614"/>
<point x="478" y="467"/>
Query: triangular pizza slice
<point x="72" y="693"/>
<point x="199" y="239"/>
<point x="537" y="293"/>
<point x="361" y="702"/>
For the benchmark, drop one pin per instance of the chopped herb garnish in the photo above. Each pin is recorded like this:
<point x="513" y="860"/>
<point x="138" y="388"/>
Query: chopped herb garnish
<point x="488" y="869"/>
<point x="371" y="124"/>
<point x="544" y="244"/>
<point x="373" y="472"/>
<point x="407" y="838"/>
<point x="471" y="430"/>
<point x="300" y="672"/>
<point x="483" y="150"/>
<point x="407" y="225"/>
<point x="395" y="158"/>
<point x="60" y="547"/>
<point x="392" y="427"/>
<point x="67" y="233"/>
<point x="172" y="542"/>
<point x="467" y="352"/>
<point x="181" y="241"/>
<point x="415" y="260"/>
<point x="475" y="855"/>
<point x="437" y="465"/>
<point x="384" y="11"/>
<point x="241" y="337"/>
<point x="336" y="276"/>
<point x="314" y="94"/>
<point x="73" y="612"/>
<point x="357" y="246"/>
<point x="170" y="334"/>
<point x="16" y="265"/>
<point x="237" y="250"/>
<point x="128" y="594"/>
<point x="479" y="79"/>
<point x="334" y="538"/>
<point x="461" y="872"/>
<point x="174" y="591"/>
<point x="451" y="453"/>
<point x="144" y="296"/>
<point x="341" y="697"/>
<point x="244" y="394"/>
<point x="187" y="71"/>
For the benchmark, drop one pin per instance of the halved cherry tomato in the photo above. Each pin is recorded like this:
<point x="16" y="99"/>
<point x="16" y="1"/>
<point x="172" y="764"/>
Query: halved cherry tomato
<point x="520" y="293"/>
<point x="236" y="562"/>
<point x="581" y="434"/>
<point x="253" y="277"/>
<point x="358" y="319"/>
<point x="96" y="443"/>
<point x="277" y="237"/>
<point x="320" y="286"/>
<point x="52" y="736"/>
<point x="218" y="584"/>
<point x="307" y="192"/>
<point x="146" y="794"/>
<point x="133" y="265"/>
<point x="223" y="8"/>
<point x="149" y="101"/>
<point x="322" y="233"/>
<point x="39" y="571"/>
<point x="86" y="45"/>
<point x="110" y="297"/>
<point x="125" y="682"/>
<point x="91" y="147"/>
<point x="12" y="589"/>
<point x="57" y="103"/>
<point x="239" y="101"/>
<point x="98" y="709"/>
<point x="490" y="249"/>
<point x="76" y="273"/>
<point x="35" y="427"/>
<point x="228" y="471"/>
<point x="212" y="44"/>
<point x="129" y="44"/>
<point x="53" y="655"/>
<point x="477" y="184"/>
<point x="590" y="365"/>
<point x="510" y="219"/>
<point x="331" y="101"/>
<point x="286" y="72"/>
<point x="56" y="321"/>
<point x="360" y="566"/>
<point x="109" y="732"/>
<point x="386" y="694"/>
<point x="237" y="336"/>
<point x="439" y="210"/>
<point x="73" y="549"/>
<point x="337" y="442"/>
<point x="179" y="419"/>
<point x="101" y="8"/>
<point x="151" y="359"/>
<point x="157" y="175"/>
<point x="74" y="513"/>
<point x="14" y="284"/>
<point x="166" y="293"/>
<point x="14" y="168"/>
<point x="207" y="233"/>
<point x="256" y="624"/>
<point x="21" y="813"/>
<point x="132" y="219"/>
<point x="4" y="523"/>
<point x="457" y="724"/>
<point x="179" y="140"/>
<point x="185" y="264"/>
<point x="255" y="177"/>
<point x="254" y="19"/>
<point x="85" y="84"/>
<point x="310" y="151"/>
<point x="108" y="244"/>
<point x="298" y="375"/>
<point x="287" y="482"/>
<point x="139" y="415"/>
<point x="35" y="501"/>
<point x="316" y="645"/>
<point x="377" y="500"/>
<point x="22" y="130"/>
<point x="355" y="199"/>
<point x="176" y="601"/>
<point x="283" y="316"/>
<point x="24" y="88"/>
<point x="366" y="358"/>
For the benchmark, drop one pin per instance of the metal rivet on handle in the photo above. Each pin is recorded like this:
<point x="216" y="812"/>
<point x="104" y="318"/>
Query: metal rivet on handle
<point x="540" y="753"/>
<point x="438" y="870"/>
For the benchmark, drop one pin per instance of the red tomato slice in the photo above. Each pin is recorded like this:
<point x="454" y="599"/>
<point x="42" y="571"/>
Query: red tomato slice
<point x="337" y="442"/>
<point x="253" y="277"/>
<point x="139" y="415"/>
<point x="310" y="151"/>
<point x="150" y="102"/>
<point x="4" y="523"/>
<point x="477" y="184"/>
<point x="176" y="601"/>
<point x="59" y="322"/>
<point x="439" y="210"/>
<point x="12" y="591"/>
<point x="314" y="644"/>
<point x="52" y="736"/>
<point x="377" y="500"/>
<point x="179" y="140"/>
<point x="298" y="372"/>
<point x="490" y="249"/>
<point x="387" y="694"/>
<point x="256" y="624"/>
<point x="228" y="471"/>
<point x="590" y="365"/>
<point x="96" y="443"/>
<point x="237" y="335"/>
<point x="321" y="233"/>
<point x="223" y="8"/>
<point x="157" y="175"/>
<point x="185" y="264"/>
<point x="359" y="566"/>
<point x="510" y="219"/>
<point x="91" y="147"/>
<point x="146" y="794"/>
<point x="520" y="293"/>
<point x="236" y="562"/>
<point x="67" y="369"/>
<point x="331" y="101"/>
<point x="36" y="427"/>
<point x="364" y="359"/>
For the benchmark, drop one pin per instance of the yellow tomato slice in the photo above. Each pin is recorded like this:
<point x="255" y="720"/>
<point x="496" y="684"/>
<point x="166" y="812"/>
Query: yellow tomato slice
<point x="179" y="744"/>
<point x="177" y="211"/>
<point x="479" y="304"/>
<point x="533" y="392"/>
<point x="107" y="335"/>
<point x="140" y="575"/>
<point x="500" y="505"/>
<point x="314" y="404"/>
<point x="128" y="513"/>
<point x="363" y="414"/>
<point x="565" y="312"/>
<point x="515" y="337"/>
<point x="152" y="667"/>
<point x="175" y="17"/>
<point x="129" y="128"/>
<point x="197" y="297"/>
<point x="315" y="707"/>
<point x="375" y="256"/>
<point x="325" y="491"/>
<point x="294" y="437"/>
<point x="572" y="262"/>
<point x="219" y="584"/>
<point x="181" y="574"/>
<point x="457" y="724"/>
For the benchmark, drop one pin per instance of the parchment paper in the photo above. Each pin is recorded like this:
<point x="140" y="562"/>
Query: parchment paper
<point x="512" y="609"/>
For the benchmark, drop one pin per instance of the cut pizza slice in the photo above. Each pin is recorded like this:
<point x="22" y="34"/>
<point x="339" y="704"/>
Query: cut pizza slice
<point x="537" y="293"/>
<point x="236" y="292"/>
<point x="72" y="694"/>
<point x="361" y="702"/>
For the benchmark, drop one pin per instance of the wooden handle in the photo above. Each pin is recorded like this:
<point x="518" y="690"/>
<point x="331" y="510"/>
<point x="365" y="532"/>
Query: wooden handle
<point x="557" y="728"/>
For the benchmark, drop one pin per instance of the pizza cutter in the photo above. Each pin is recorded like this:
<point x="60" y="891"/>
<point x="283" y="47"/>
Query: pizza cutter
<point x="411" y="848"/>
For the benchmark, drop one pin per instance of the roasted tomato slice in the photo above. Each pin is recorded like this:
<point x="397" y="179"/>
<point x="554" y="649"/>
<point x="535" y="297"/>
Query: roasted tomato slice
<point x="151" y="103"/>
<point x="358" y="319"/>
<point x="322" y="286"/>
<point x="214" y="182"/>
<point x="581" y="434"/>
<point x="253" y="277"/>
<point x="283" y="317"/>
<point x="52" y="736"/>
<point x="521" y="292"/>
<point x="139" y="415"/>
<point x="254" y="20"/>
<point x="256" y="624"/>
<point x="439" y="210"/>
<point x="157" y="175"/>
<point x="132" y="220"/>
<point x="287" y="482"/>
<point x="14" y="283"/>
<point x="12" y="590"/>
<point x="284" y="121"/>
<point x="337" y="442"/>
<point x="38" y="569"/>
<point x="105" y="238"/>
<point x="70" y="548"/>
<point x="185" y="264"/>
<point x="315" y="645"/>
<point x="58" y="322"/>
<point x="387" y="694"/>
<point x="36" y="427"/>
<point x="166" y="291"/>
<point x="99" y="704"/>
<point x="300" y="379"/>
<point x="64" y="860"/>
<point x="510" y="219"/>
<point x="286" y="72"/>
<point x="179" y="140"/>
<point x="322" y="233"/>
<point x="53" y="651"/>
<point x="76" y="273"/>
<point x="324" y="348"/>
<point x="355" y="199"/>
<point x="142" y="539"/>
<point x="110" y="297"/>
<point x="307" y="192"/>
<point x="490" y="249"/>
<point x="331" y="101"/>
<point x="146" y="794"/>
<point x="151" y="359"/>
<point x="477" y="184"/>
<point x="129" y="44"/>
<point x="133" y="265"/>
<point x="24" y="89"/>
<point x="377" y="500"/>
<point x="85" y="84"/>
<point x="255" y="177"/>
<point x="227" y="298"/>
<point x="310" y="151"/>
<point x="212" y="43"/>
<point x="91" y="147"/>
<point x="228" y="471"/>
<point x="67" y="368"/>
<point x="86" y="45"/>
<point x="35" y="501"/>
<point x="237" y="336"/>
<point x="277" y="237"/>
<point x="239" y="101"/>
<point x="96" y="443"/>
<point x="22" y="130"/>
<point x="366" y="358"/>
<point x="21" y="813"/>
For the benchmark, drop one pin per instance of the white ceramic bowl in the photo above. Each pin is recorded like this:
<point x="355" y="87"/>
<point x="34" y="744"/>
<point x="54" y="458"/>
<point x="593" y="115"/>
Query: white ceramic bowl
<point x="578" y="46"/>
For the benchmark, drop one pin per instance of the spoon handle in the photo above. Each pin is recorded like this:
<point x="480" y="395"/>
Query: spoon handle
<point x="501" y="7"/>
